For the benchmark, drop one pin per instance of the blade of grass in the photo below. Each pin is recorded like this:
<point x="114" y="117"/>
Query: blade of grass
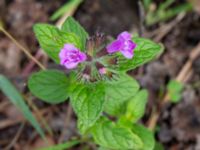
<point x="15" y="97"/>
<point x="177" y="10"/>
<point x="165" y="4"/>
<point x="66" y="7"/>
<point x="38" y="114"/>
<point x="63" y="146"/>
<point x="163" y="15"/>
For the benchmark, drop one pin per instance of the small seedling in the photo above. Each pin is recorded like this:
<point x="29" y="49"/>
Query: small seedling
<point x="174" y="89"/>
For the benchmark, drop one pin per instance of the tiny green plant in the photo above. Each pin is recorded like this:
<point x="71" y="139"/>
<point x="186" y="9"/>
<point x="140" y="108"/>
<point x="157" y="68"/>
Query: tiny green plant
<point x="107" y="101"/>
<point x="163" y="12"/>
<point x="174" y="89"/>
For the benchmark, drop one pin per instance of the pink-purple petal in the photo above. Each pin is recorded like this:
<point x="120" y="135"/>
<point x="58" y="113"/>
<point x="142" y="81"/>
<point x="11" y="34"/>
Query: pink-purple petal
<point x="128" y="54"/>
<point x="114" y="46"/>
<point x="71" y="65"/>
<point x="129" y="45"/>
<point x="70" y="47"/>
<point x="62" y="54"/>
<point x="82" y="56"/>
<point x="124" y="35"/>
<point x="128" y="48"/>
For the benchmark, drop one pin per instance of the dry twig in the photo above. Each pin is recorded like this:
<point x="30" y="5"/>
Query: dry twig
<point x="16" y="137"/>
<point x="28" y="54"/>
<point x="183" y="76"/>
<point x="67" y="120"/>
<point x="165" y="29"/>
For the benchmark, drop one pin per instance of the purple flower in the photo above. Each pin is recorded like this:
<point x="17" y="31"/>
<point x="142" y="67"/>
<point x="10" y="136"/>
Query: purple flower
<point x="70" y="56"/>
<point x="124" y="44"/>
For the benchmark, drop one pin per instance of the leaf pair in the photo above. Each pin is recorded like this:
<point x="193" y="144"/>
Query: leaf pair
<point x="124" y="98"/>
<point x="54" y="87"/>
<point x="124" y="134"/>
<point x="110" y="135"/>
<point x="87" y="100"/>
<point x="118" y="91"/>
<point x="115" y="136"/>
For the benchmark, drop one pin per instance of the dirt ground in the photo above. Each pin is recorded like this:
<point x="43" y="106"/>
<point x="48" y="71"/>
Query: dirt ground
<point x="178" y="126"/>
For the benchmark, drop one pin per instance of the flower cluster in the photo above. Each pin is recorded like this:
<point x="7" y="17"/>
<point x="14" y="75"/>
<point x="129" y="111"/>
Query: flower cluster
<point x="70" y="56"/>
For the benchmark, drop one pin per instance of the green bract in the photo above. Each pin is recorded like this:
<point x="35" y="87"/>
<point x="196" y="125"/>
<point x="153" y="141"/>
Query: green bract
<point x="104" y="96"/>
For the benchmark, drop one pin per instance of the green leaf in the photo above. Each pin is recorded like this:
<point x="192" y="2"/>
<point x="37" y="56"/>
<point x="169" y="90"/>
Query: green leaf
<point x="15" y="97"/>
<point x="118" y="91"/>
<point x="71" y="25"/>
<point x="174" y="89"/>
<point x="158" y="146"/>
<point x="145" y="51"/>
<point x="68" y="7"/>
<point x="87" y="102"/>
<point x="147" y="4"/>
<point x="63" y="146"/>
<point x="136" y="106"/>
<point x="103" y="148"/>
<point x="52" y="40"/>
<point x="145" y="135"/>
<point x="50" y="86"/>
<point x="109" y="135"/>
<point x="165" y="5"/>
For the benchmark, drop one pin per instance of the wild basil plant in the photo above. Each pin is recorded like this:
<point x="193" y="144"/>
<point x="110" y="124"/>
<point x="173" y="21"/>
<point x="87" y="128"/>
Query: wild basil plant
<point x="107" y="101"/>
